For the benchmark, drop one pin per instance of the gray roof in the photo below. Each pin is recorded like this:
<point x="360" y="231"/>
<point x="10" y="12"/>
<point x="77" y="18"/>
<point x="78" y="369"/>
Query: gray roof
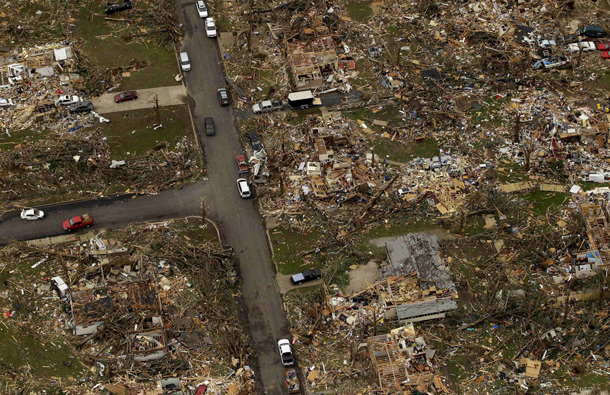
<point x="419" y="309"/>
<point x="418" y="252"/>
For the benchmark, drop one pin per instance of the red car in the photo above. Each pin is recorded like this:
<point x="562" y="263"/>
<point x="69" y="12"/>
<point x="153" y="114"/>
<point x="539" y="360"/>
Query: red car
<point x="606" y="55"/>
<point x="81" y="221"/>
<point x="126" y="96"/>
<point x="242" y="165"/>
<point x="603" y="46"/>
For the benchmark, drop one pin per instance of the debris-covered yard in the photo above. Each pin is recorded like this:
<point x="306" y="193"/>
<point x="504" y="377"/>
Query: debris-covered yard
<point x="484" y="124"/>
<point x="123" y="310"/>
<point x="54" y="146"/>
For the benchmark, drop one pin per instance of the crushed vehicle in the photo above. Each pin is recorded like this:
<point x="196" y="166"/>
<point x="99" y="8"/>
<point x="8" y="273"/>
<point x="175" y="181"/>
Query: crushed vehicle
<point x="551" y="62"/>
<point x="242" y="165"/>
<point x="592" y="31"/>
<point x="255" y="142"/>
<point x="78" y="222"/>
<point x="585" y="46"/>
<point x="267" y="106"/>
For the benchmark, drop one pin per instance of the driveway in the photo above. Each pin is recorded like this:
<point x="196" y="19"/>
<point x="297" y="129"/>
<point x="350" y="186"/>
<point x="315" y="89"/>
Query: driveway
<point x="168" y="96"/>
<point x="239" y="219"/>
<point x="285" y="285"/>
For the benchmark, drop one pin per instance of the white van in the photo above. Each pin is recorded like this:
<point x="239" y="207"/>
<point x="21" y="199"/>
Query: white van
<point x="185" y="63"/>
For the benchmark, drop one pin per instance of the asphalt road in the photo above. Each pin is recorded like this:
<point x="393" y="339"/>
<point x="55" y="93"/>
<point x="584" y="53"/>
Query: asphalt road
<point x="111" y="212"/>
<point x="239" y="219"/>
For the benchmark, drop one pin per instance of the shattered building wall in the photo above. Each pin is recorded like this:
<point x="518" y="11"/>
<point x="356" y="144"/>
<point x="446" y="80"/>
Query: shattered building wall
<point x="310" y="62"/>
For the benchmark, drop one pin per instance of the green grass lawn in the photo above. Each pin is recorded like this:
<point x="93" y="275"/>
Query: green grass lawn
<point x="45" y="358"/>
<point x="19" y="137"/>
<point x="543" y="200"/>
<point x="195" y="229"/>
<point x="287" y="247"/>
<point x="401" y="152"/>
<point x="109" y="50"/>
<point x="132" y="131"/>
<point x="360" y="11"/>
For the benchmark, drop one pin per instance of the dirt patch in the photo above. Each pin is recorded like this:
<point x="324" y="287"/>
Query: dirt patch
<point x="362" y="277"/>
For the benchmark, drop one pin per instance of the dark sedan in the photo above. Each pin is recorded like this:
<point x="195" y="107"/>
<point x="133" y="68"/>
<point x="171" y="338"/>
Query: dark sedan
<point x="126" y="96"/>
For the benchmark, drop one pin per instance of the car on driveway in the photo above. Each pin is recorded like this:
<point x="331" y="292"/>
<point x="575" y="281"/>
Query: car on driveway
<point x="586" y="46"/>
<point x="78" y="222"/>
<point x="126" y="96"/>
<point x="210" y="129"/>
<point x="67" y="100"/>
<point x="210" y="27"/>
<point x="223" y="97"/>
<point x="305" y="276"/>
<point x="32" y="214"/>
<point x="285" y="352"/>
<point x="85" y="106"/>
<point x="243" y="188"/>
<point x="202" y="10"/>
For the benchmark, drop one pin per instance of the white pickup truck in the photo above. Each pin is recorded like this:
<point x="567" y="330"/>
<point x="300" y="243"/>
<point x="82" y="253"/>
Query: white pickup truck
<point x="267" y="106"/>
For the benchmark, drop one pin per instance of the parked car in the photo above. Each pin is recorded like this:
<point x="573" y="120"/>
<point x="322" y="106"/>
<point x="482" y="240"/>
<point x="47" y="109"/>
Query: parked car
<point x="78" y="222"/>
<point x="285" y="352"/>
<point x="223" y="97"/>
<point x="592" y="31"/>
<point x="210" y="129"/>
<point x="202" y="10"/>
<point x="606" y="55"/>
<point x="185" y="63"/>
<point x="551" y="62"/>
<point x="586" y="46"/>
<point x="67" y="100"/>
<point x="126" y="96"/>
<point x="243" y="188"/>
<point x="305" y="276"/>
<point x="267" y="106"/>
<point x="85" y="106"/>
<point x="210" y="27"/>
<point x="32" y="214"/>
<point x="255" y="141"/>
<point x="242" y="165"/>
